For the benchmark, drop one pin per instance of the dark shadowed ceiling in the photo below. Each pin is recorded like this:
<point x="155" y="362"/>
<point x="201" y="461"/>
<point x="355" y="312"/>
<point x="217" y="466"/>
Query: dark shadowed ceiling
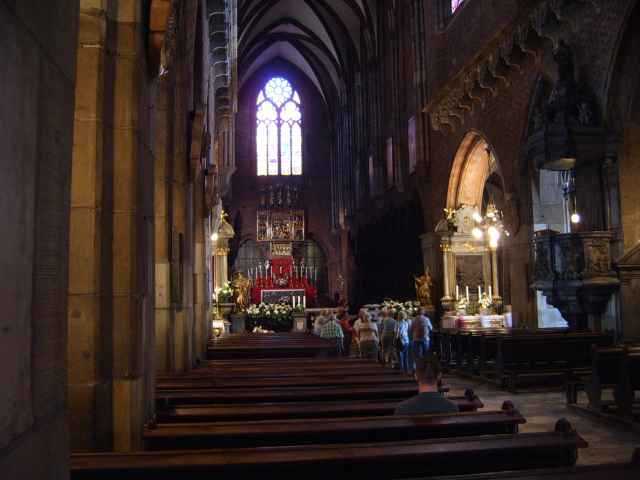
<point x="323" y="38"/>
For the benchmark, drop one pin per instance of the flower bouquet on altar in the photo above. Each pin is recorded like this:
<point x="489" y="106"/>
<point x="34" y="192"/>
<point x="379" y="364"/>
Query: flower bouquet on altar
<point x="277" y="317"/>
<point x="486" y="304"/>
<point x="395" y="307"/>
<point x="461" y="305"/>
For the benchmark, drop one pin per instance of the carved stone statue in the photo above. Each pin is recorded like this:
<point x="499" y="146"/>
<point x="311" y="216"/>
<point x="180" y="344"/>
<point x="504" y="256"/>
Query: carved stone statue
<point x="423" y="286"/>
<point x="242" y="286"/>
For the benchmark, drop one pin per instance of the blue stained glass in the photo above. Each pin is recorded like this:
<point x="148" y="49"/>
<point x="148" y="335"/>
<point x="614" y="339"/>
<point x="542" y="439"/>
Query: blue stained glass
<point x="285" y="149"/>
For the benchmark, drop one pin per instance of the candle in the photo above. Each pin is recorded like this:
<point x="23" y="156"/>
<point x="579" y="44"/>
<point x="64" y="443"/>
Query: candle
<point x="490" y="293"/>
<point x="466" y="288"/>
<point x="304" y="302"/>
<point x="479" y="292"/>
<point x="457" y="292"/>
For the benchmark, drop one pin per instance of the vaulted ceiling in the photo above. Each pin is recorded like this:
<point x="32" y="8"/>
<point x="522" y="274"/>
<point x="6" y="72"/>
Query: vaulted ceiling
<point x="325" y="39"/>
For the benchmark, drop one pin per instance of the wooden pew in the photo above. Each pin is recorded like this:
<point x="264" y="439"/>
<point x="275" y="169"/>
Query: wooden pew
<point x="291" y="410"/>
<point x="613" y="471"/>
<point x="545" y="356"/>
<point x="448" y="456"/>
<point x="311" y="379"/>
<point x="167" y="398"/>
<point x="629" y="381"/>
<point x="269" y="345"/>
<point x="331" y="430"/>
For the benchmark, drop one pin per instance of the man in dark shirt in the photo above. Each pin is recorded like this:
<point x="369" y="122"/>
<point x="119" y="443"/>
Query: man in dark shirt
<point x="428" y="400"/>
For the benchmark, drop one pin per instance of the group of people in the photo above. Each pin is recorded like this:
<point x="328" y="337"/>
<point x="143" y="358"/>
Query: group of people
<point x="394" y="338"/>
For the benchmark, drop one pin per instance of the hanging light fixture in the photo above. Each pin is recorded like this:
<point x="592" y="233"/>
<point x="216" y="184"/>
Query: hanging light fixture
<point x="490" y="225"/>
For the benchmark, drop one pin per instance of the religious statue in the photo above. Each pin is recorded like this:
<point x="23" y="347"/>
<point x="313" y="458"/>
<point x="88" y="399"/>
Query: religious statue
<point x="242" y="286"/>
<point x="423" y="286"/>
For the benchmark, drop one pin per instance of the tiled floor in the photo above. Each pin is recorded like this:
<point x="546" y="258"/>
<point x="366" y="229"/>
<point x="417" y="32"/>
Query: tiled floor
<point x="607" y="442"/>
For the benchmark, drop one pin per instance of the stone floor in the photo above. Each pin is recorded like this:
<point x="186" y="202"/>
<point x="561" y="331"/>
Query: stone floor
<point x="608" y="442"/>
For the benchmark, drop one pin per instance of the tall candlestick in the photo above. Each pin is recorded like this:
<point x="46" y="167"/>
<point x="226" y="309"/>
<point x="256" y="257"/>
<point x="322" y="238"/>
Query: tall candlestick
<point x="490" y="292"/>
<point x="457" y="292"/>
<point x="304" y="302"/>
<point x="479" y="292"/>
<point x="467" y="291"/>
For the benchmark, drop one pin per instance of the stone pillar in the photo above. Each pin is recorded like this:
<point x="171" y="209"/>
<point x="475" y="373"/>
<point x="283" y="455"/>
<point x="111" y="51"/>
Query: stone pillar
<point x="201" y="300"/>
<point x="221" y="237"/>
<point x="497" y="299"/>
<point x="129" y="141"/>
<point x="89" y="323"/>
<point x="448" y="270"/>
<point x="163" y="152"/>
<point x="109" y="330"/>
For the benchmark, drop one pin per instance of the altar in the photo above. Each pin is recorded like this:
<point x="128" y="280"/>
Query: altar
<point x="474" y="322"/>
<point x="282" y="280"/>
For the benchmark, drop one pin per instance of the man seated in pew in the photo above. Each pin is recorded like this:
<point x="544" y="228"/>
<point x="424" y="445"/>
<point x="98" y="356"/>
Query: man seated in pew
<point x="429" y="399"/>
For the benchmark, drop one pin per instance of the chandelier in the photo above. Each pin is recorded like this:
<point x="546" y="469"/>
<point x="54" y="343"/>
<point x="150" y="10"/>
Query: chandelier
<point x="490" y="226"/>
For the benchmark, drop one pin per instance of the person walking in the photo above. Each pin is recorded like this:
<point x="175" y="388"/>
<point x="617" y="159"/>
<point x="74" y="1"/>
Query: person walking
<point x="388" y="335"/>
<point x="402" y="341"/>
<point x="331" y="330"/>
<point x="367" y="333"/>
<point x="421" y="328"/>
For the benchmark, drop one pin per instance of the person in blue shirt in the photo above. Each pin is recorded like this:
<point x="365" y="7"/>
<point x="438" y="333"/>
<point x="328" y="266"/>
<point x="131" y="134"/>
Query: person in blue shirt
<point x="421" y="328"/>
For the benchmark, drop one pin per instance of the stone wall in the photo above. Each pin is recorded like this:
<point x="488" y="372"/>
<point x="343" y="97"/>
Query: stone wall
<point x="37" y="44"/>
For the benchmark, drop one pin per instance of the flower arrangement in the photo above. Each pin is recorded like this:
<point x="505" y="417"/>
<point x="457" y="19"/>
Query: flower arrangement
<point x="270" y="316"/>
<point x="485" y="302"/>
<point x="225" y="294"/>
<point x="450" y="217"/>
<point x="410" y="307"/>
<point x="462" y="304"/>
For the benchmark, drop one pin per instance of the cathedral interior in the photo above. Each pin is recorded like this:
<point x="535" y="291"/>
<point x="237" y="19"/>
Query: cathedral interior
<point x="327" y="154"/>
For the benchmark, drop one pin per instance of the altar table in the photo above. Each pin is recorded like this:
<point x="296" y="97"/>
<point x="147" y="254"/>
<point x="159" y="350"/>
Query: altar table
<point x="467" y="322"/>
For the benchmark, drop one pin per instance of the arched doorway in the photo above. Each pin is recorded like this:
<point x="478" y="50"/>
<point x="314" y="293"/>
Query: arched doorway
<point x="474" y="231"/>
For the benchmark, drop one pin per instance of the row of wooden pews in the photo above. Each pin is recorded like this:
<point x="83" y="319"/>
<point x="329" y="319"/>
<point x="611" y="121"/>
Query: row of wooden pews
<point x="511" y="357"/>
<point x="322" y="418"/>
<point x="280" y="345"/>
<point x="616" y="370"/>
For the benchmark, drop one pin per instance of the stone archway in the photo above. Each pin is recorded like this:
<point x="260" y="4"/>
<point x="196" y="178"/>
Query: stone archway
<point x="474" y="163"/>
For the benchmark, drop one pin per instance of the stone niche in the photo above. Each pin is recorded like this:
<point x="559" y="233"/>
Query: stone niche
<point x="574" y="271"/>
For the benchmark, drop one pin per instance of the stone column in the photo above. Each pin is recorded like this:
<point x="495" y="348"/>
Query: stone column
<point x="89" y="324"/>
<point x="220" y="261"/>
<point x="163" y="152"/>
<point x="129" y="142"/>
<point x="448" y="271"/>
<point x="497" y="299"/>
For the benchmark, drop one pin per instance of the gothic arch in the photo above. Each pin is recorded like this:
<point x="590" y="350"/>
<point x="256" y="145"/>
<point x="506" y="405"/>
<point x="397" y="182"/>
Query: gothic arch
<point x="474" y="163"/>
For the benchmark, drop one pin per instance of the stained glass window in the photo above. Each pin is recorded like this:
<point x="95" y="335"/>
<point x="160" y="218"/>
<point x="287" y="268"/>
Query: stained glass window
<point x="278" y="129"/>
<point x="455" y="4"/>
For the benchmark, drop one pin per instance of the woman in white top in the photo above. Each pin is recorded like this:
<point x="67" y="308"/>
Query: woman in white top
<point x="367" y="333"/>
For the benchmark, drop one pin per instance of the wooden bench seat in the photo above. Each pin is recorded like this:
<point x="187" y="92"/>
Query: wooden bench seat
<point x="449" y="456"/>
<point x="309" y="380"/>
<point x="331" y="430"/>
<point x="284" y="410"/>
<point x="286" y="394"/>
